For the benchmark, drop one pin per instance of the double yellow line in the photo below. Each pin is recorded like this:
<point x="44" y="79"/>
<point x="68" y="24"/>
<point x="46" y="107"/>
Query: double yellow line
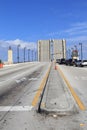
<point x="39" y="91"/>
<point x="42" y="84"/>
<point x="77" y="99"/>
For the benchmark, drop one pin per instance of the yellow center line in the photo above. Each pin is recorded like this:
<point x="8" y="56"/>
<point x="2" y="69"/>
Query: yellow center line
<point x="77" y="99"/>
<point x="36" y="98"/>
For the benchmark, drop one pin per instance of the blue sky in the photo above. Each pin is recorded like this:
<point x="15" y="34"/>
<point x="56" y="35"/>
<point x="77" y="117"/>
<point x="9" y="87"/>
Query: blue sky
<point x="25" y="21"/>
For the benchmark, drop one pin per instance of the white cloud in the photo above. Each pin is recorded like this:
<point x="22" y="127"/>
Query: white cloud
<point x="77" y="31"/>
<point x="28" y="45"/>
<point x="77" y="39"/>
<point x="77" y="28"/>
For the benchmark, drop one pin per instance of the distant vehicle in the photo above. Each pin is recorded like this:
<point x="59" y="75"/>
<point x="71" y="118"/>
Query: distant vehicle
<point x="84" y="63"/>
<point x="78" y="63"/>
<point x="69" y="62"/>
<point x="57" y="60"/>
<point x="60" y="61"/>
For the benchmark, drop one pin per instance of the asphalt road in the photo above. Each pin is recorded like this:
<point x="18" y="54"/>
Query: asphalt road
<point x="77" y="76"/>
<point x="12" y="76"/>
<point x="18" y="86"/>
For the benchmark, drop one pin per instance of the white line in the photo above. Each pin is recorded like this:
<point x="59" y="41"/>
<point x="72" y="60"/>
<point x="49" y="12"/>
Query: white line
<point x="15" y="108"/>
<point x="76" y="78"/>
<point x="84" y="77"/>
<point x="33" y="79"/>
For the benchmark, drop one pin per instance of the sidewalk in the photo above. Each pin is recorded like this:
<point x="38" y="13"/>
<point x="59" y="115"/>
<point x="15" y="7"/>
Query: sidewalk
<point x="57" y="97"/>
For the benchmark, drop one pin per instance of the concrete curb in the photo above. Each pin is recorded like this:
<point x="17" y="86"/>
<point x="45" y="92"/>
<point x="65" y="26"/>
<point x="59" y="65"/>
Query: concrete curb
<point x="42" y="87"/>
<point x="71" y="109"/>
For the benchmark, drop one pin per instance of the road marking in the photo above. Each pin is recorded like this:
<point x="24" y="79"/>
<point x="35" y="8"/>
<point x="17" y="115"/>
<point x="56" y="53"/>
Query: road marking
<point x="84" y="78"/>
<point x="20" y="80"/>
<point x="82" y="124"/>
<point x="77" y="99"/>
<point x="15" y="108"/>
<point x="76" y="78"/>
<point x="33" y="79"/>
<point x="36" y="98"/>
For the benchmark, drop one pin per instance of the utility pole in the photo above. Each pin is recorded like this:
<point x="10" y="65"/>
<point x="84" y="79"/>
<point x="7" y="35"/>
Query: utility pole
<point x="63" y="49"/>
<point x="28" y="55"/>
<point x="32" y="55"/>
<point x="24" y="53"/>
<point x="18" y="53"/>
<point x="81" y="51"/>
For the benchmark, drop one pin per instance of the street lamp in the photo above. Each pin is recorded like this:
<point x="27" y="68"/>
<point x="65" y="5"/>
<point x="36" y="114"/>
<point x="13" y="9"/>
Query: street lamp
<point x="81" y="51"/>
<point x="28" y="54"/>
<point x="35" y="56"/>
<point x="24" y="53"/>
<point x="32" y="55"/>
<point x="72" y="52"/>
<point x="18" y="53"/>
<point x="51" y="49"/>
<point x="69" y="56"/>
<point x="63" y="49"/>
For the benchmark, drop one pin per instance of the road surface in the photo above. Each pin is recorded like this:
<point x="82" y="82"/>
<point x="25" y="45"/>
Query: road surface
<point x="18" y="87"/>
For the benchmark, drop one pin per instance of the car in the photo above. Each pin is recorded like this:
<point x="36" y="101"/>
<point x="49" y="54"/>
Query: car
<point x="57" y="60"/>
<point x="60" y="61"/>
<point x="69" y="62"/>
<point x="78" y="63"/>
<point x="84" y="63"/>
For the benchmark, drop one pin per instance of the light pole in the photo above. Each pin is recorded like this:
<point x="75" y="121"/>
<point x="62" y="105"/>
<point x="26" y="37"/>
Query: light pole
<point x="24" y="53"/>
<point x="69" y="56"/>
<point x="72" y="52"/>
<point x="81" y="51"/>
<point x="35" y="56"/>
<point x="32" y="55"/>
<point x="51" y="50"/>
<point x="63" y="48"/>
<point x="28" y="54"/>
<point x="18" y="53"/>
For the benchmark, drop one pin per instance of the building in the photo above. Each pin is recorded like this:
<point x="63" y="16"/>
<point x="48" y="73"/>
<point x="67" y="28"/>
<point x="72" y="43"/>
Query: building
<point x="59" y="49"/>
<point x="49" y="50"/>
<point x="44" y="50"/>
<point x="10" y="56"/>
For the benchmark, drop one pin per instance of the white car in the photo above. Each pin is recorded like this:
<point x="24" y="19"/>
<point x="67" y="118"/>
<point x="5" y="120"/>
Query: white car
<point x="84" y="63"/>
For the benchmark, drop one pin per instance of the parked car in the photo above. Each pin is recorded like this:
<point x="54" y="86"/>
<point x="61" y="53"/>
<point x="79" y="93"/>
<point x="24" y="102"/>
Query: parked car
<point x="60" y="61"/>
<point x="69" y="62"/>
<point x="84" y="63"/>
<point x="57" y="60"/>
<point x="78" y="63"/>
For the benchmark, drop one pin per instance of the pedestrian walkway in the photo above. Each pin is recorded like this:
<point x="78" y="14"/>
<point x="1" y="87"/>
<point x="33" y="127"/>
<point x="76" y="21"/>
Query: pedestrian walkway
<point x="57" y="97"/>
